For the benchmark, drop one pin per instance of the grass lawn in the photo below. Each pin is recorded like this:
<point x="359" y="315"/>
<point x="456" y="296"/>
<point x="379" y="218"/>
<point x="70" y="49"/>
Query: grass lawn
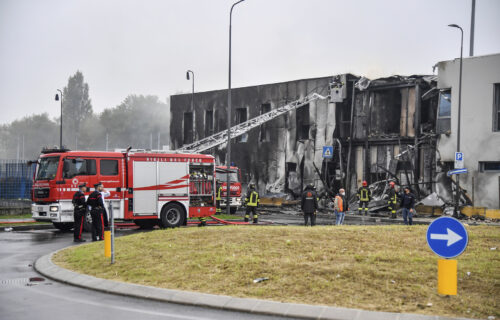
<point x="383" y="268"/>
<point x="16" y="216"/>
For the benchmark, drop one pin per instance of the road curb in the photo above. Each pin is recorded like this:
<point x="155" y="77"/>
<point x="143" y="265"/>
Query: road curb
<point x="47" y="268"/>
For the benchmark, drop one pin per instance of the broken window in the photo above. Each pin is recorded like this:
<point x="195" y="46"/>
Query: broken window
<point x="489" y="166"/>
<point x="265" y="132"/>
<point x="444" y="112"/>
<point x="496" y="107"/>
<point x="302" y="122"/>
<point x="209" y="123"/>
<point x="188" y="128"/>
<point x="241" y="116"/>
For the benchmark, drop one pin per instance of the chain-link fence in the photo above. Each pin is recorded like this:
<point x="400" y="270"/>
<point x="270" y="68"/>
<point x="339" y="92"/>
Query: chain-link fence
<point x="16" y="179"/>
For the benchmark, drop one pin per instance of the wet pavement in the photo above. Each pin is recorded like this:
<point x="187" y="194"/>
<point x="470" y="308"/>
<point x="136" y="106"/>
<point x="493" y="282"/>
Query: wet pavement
<point x="22" y="298"/>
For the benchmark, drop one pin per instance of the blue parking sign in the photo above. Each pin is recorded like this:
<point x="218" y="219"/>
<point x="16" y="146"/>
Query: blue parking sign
<point x="447" y="237"/>
<point x="327" y="152"/>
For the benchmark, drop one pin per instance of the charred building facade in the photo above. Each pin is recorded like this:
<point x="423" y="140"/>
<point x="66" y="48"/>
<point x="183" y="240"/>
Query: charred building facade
<point x="380" y="129"/>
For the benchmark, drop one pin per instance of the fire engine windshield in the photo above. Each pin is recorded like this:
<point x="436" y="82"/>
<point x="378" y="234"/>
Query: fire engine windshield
<point x="47" y="168"/>
<point x="222" y="175"/>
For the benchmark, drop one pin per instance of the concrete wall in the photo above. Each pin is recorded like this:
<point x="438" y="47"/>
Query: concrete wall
<point x="478" y="141"/>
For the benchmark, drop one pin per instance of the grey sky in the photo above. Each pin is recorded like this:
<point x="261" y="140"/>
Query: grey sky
<point x="144" y="47"/>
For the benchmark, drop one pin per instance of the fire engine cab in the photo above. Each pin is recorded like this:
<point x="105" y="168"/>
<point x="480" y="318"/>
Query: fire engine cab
<point x="235" y="190"/>
<point x="148" y="187"/>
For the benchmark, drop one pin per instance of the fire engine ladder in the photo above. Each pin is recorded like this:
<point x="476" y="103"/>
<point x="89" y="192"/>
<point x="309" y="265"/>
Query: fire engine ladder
<point x="242" y="128"/>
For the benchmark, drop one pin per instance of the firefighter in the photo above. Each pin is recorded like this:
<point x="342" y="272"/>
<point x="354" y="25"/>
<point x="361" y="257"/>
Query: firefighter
<point x="364" y="197"/>
<point x="393" y="198"/>
<point x="96" y="212"/>
<point x="252" y="201"/>
<point x="309" y="204"/>
<point x="79" y="212"/>
<point x="218" y="198"/>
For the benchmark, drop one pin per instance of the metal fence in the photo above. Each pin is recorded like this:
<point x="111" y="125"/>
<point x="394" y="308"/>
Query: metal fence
<point x="16" y="179"/>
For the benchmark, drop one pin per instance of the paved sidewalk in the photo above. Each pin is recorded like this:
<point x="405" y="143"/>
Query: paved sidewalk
<point x="46" y="267"/>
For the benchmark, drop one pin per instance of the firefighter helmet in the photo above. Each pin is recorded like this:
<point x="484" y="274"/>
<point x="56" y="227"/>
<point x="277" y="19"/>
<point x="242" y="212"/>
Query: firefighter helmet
<point x="365" y="183"/>
<point x="392" y="184"/>
<point x="251" y="186"/>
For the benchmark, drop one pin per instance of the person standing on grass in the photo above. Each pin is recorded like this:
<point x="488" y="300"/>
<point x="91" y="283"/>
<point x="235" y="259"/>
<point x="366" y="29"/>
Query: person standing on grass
<point x="408" y="205"/>
<point x="340" y="207"/>
<point x="309" y="204"/>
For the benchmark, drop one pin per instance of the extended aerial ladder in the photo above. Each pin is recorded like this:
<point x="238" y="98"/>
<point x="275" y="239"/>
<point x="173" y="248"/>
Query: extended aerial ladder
<point x="242" y="128"/>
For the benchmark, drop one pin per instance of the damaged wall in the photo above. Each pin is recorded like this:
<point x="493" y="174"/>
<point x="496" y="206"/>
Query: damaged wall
<point x="479" y="140"/>
<point x="284" y="157"/>
<point x="281" y="155"/>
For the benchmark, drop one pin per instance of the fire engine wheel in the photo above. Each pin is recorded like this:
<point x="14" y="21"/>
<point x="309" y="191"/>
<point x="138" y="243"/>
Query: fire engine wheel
<point x="172" y="215"/>
<point x="63" y="226"/>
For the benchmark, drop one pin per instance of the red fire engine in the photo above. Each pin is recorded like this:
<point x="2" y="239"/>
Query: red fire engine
<point x="148" y="187"/>
<point x="235" y="194"/>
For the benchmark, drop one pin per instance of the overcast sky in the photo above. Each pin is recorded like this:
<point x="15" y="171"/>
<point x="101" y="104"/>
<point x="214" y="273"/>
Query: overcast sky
<point x="145" y="47"/>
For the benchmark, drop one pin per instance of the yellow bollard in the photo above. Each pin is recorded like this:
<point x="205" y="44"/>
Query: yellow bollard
<point x="447" y="277"/>
<point x="107" y="244"/>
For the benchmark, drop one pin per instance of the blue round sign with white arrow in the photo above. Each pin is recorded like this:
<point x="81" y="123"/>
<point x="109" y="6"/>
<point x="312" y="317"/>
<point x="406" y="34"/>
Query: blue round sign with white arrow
<point x="447" y="237"/>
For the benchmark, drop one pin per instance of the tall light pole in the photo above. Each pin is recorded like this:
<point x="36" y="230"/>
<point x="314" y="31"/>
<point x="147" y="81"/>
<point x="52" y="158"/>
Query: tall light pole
<point x="228" y="155"/>
<point x="457" y="196"/>
<point x="60" y="130"/>
<point x="472" y="23"/>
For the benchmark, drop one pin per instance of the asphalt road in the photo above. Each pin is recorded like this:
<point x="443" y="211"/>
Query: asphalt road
<point x="21" y="298"/>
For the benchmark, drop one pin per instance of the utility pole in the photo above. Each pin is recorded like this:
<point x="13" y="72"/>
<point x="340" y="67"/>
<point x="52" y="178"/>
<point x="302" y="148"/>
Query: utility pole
<point x="457" y="195"/>
<point x="228" y="155"/>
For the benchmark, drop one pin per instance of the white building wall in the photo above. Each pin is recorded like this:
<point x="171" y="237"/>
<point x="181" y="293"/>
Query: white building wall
<point x="478" y="141"/>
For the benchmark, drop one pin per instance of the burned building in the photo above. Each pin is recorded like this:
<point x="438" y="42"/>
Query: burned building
<point x="380" y="129"/>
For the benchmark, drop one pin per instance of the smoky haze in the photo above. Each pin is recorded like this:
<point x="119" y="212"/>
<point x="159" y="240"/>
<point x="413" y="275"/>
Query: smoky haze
<point x="125" y="47"/>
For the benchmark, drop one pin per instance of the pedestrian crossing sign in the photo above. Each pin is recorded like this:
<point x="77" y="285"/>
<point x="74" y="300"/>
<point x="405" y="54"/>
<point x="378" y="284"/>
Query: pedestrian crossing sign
<point x="327" y="152"/>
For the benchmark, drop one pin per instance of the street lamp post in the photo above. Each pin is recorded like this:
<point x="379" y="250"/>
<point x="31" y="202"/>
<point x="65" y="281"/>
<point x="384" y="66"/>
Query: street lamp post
<point x="228" y="155"/>
<point x="60" y="130"/>
<point x="192" y="92"/>
<point x="457" y="195"/>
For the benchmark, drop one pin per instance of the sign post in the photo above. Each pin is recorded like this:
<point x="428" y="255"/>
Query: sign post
<point x="459" y="160"/>
<point x="327" y="155"/>
<point x="447" y="238"/>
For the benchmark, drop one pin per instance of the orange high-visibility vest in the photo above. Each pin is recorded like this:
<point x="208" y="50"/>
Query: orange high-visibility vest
<point x="340" y="203"/>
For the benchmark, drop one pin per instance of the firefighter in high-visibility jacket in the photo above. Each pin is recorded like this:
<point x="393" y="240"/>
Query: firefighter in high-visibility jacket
<point x="364" y="197"/>
<point x="252" y="202"/>
<point x="393" y="198"/>
<point x="218" y="198"/>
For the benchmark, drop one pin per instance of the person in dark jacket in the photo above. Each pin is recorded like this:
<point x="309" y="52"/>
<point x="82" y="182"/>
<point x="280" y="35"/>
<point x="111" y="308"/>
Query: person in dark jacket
<point x="309" y="204"/>
<point x="97" y="212"/>
<point x="79" y="212"/>
<point x="408" y="205"/>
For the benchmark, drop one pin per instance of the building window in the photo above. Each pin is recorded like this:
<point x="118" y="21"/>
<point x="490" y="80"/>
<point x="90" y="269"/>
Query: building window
<point x="489" y="166"/>
<point x="209" y="123"/>
<point x="265" y="133"/>
<point x="188" y="128"/>
<point x="496" y="107"/>
<point x="241" y="116"/>
<point x="302" y="122"/>
<point x="444" y="112"/>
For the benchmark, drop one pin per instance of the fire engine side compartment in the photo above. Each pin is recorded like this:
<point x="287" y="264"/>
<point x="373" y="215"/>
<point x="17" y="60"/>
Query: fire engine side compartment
<point x="145" y="188"/>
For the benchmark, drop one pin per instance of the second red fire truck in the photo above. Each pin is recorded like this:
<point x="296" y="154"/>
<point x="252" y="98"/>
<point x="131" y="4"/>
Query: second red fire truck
<point x="149" y="188"/>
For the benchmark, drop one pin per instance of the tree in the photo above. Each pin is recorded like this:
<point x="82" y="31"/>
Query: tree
<point x="28" y="136"/>
<point x="77" y="107"/>
<point x="137" y="122"/>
